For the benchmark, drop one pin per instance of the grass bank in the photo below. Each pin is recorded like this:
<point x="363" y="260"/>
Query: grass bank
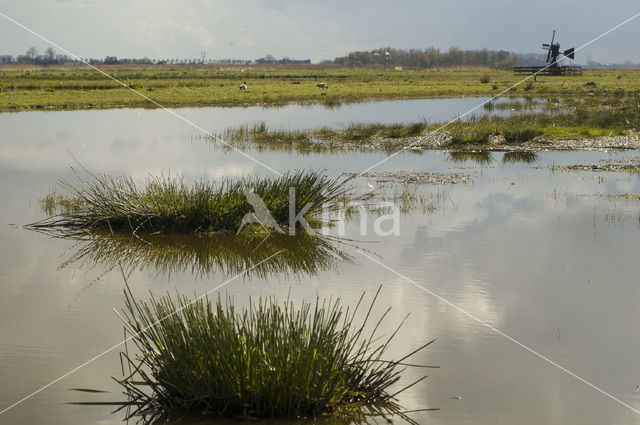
<point x="169" y="205"/>
<point x="31" y="88"/>
<point x="583" y="120"/>
<point x="270" y="359"/>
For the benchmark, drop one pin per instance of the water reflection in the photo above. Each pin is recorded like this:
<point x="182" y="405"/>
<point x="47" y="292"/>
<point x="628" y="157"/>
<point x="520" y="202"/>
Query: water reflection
<point x="520" y="157"/>
<point x="204" y="255"/>
<point x="476" y="157"/>
<point x="369" y="414"/>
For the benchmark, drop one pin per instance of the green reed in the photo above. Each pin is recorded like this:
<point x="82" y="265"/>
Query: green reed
<point x="270" y="359"/>
<point x="169" y="205"/>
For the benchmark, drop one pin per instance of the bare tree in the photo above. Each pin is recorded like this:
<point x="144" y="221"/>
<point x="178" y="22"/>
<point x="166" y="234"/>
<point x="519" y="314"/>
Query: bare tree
<point x="32" y="54"/>
<point x="50" y="55"/>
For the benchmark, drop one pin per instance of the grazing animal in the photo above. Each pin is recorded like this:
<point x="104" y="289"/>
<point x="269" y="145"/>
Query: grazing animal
<point x="323" y="85"/>
<point x="243" y="86"/>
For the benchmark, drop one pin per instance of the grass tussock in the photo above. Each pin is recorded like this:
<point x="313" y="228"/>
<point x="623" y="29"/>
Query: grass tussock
<point x="268" y="360"/>
<point x="169" y="205"/>
<point x="470" y="135"/>
<point x="260" y="134"/>
<point x="516" y="134"/>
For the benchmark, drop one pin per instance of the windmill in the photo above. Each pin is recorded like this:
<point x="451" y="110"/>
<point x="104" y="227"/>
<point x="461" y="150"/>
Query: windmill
<point x="552" y="63"/>
<point x="554" y="52"/>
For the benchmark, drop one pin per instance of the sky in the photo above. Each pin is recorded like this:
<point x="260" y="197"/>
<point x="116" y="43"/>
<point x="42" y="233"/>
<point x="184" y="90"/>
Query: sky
<point x="316" y="30"/>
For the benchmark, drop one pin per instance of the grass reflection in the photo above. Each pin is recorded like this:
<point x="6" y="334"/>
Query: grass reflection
<point x="477" y="157"/>
<point x="520" y="157"/>
<point x="204" y="255"/>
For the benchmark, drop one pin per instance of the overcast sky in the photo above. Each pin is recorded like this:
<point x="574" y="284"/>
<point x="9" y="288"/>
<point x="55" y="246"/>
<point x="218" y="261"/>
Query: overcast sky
<point x="315" y="29"/>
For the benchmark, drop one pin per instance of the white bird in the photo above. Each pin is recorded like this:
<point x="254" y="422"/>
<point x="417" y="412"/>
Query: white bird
<point x="370" y="186"/>
<point x="323" y="85"/>
<point x="243" y="86"/>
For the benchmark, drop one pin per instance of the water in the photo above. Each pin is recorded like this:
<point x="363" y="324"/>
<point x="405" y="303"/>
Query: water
<point x="538" y="255"/>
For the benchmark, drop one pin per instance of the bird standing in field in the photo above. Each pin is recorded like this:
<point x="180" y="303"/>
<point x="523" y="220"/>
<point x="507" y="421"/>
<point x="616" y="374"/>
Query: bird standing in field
<point x="243" y="86"/>
<point x="323" y="85"/>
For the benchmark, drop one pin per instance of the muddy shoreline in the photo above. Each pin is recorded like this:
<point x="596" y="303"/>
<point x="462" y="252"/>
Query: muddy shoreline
<point x="440" y="140"/>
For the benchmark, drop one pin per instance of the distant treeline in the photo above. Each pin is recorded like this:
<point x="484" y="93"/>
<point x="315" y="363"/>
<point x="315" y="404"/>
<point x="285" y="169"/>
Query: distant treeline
<point x="50" y="57"/>
<point x="430" y="57"/>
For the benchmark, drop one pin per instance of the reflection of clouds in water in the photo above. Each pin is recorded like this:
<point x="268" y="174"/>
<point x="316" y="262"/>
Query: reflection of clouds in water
<point x="134" y="139"/>
<point x="521" y="270"/>
<point x="510" y="254"/>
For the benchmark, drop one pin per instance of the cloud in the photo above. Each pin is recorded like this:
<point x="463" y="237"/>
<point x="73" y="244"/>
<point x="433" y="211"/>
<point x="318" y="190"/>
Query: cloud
<point x="308" y="29"/>
<point x="154" y="33"/>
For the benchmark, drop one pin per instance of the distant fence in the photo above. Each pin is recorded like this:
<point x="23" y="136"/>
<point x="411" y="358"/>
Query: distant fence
<point x="551" y="70"/>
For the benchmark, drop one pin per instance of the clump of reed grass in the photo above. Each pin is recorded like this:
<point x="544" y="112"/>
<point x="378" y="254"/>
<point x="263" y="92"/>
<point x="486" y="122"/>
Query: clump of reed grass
<point x="519" y="134"/>
<point x="470" y="135"/>
<point x="169" y="205"/>
<point x="485" y="78"/>
<point x="359" y="132"/>
<point x="261" y="134"/>
<point x="310" y="140"/>
<point x="267" y="360"/>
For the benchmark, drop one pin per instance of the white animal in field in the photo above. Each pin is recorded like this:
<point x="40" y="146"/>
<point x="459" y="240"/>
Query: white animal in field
<point x="243" y="86"/>
<point x="323" y="85"/>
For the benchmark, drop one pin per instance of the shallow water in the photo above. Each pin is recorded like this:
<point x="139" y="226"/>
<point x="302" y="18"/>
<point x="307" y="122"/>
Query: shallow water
<point x="538" y="255"/>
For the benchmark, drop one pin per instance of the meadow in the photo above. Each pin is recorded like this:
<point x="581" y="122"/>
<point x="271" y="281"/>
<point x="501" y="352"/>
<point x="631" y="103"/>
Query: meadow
<point x="29" y="88"/>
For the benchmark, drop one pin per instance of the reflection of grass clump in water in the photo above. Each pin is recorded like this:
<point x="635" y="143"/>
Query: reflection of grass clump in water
<point x="518" y="157"/>
<point x="167" y="204"/>
<point x="478" y="157"/>
<point x="268" y="360"/>
<point x="204" y="255"/>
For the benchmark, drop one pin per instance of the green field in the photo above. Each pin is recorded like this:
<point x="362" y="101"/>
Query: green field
<point x="84" y="88"/>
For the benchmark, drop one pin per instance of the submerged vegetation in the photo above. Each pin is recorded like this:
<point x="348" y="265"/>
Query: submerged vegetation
<point x="269" y="360"/>
<point x="169" y="205"/>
